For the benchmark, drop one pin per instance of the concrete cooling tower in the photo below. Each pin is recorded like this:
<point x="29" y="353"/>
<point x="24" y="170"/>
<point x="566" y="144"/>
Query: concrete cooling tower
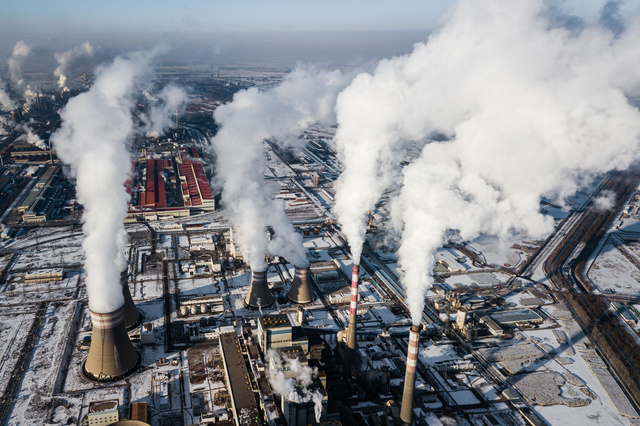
<point x="301" y="291"/>
<point x="406" y="412"/>
<point x="259" y="295"/>
<point x="111" y="354"/>
<point x="132" y="317"/>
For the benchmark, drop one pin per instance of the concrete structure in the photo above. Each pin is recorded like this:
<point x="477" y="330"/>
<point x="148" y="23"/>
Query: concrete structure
<point x="350" y="353"/>
<point x="245" y="408"/>
<point x="111" y="354"/>
<point x="259" y="295"/>
<point x="274" y="331"/>
<point x="132" y="317"/>
<point x="303" y="413"/>
<point x="406" y="412"/>
<point x="301" y="291"/>
<point x="103" y="412"/>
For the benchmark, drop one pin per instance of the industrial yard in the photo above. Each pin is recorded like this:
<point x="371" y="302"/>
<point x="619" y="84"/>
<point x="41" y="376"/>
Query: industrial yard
<point x="498" y="341"/>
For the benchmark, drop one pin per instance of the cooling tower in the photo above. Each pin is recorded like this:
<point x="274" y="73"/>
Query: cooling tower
<point x="350" y="353"/>
<point x="132" y="318"/>
<point x="259" y="295"/>
<point x="301" y="291"/>
<point x="406" y="412"/>
<point x="111" y="354"/>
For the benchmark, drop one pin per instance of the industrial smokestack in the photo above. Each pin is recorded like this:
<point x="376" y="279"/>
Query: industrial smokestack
<point x="406" y="412"/>
<point x="132" y="317"/>
<point x="111" y="354"/>
<point x="301" y="291"/>
<point x="350" y="354"/>
<point x="259" y="295"/>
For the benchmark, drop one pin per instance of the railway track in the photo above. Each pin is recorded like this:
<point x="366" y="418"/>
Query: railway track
<point x="565" y="268"/>
<point x="15" y="381"/>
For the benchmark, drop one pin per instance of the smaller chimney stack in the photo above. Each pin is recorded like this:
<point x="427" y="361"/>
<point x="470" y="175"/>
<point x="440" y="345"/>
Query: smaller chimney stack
<point x="259" y="295"/>
<point x="406" y="412"/>
<point x="350" y="353"/>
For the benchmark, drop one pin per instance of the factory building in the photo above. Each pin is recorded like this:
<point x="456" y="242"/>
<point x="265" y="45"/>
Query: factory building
<point x="521" y="317"/>
<point x="275" y="331"/>
<point x="42" y="199"/>
<point x="103" y="413"/>
<point x="154" y="195"/>
<point x="196" y="192"/>
<point x="245" y="408"/>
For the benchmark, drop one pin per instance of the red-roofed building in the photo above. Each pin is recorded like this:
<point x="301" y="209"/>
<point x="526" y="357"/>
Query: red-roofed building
<point x="154" y="194"/>
<point x="196" y="192"/>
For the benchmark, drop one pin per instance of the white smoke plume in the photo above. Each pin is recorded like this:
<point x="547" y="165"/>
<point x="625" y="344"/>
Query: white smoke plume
<point x="92" y="140"/>
<point x="294" y="386"/>
<point x="30" y="96"/>
<point x="21" y="51"/>
<point x="65" y="60"/>
<point x="169" y="103"/>
<point x="5" y="100"/>
<point x="306" y="96"/>
<point x="531" y="109"/>
<point x="31" y="137"/>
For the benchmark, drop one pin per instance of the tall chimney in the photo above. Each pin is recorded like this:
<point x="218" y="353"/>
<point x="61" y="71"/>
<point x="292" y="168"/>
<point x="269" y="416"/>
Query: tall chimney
<point x="111" y="354"/>
<point x="301" y="291"/>
<point x="350" y="354"/>
<point x="259" y="295"/>
<point x="132" y="317"/>
<point x="406" y="412"/>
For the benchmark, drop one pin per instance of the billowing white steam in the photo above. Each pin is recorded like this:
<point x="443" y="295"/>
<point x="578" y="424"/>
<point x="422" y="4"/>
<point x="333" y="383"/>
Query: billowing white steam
<point x="305" y="96"/>
<point x="92" y="140"/>
<point x="65" y="60"/>
<point x="294" y="386"/>
<point x="31" y="137"/>
<point x="5" y="100"/>
<point x="532" y="109"/>
<point x="21" y="51"/>
<point x="170" y="102"/>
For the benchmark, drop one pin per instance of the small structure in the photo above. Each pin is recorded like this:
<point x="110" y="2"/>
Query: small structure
<point x="103" y="412"/>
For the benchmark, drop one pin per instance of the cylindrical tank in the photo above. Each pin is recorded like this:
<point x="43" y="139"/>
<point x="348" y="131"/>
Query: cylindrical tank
<point x="194" y="309"/>
<point x="111" y="354"/>
<point x="184" y="310"/>
<point x="203" y="308"/>
<point x="406" y="412"/>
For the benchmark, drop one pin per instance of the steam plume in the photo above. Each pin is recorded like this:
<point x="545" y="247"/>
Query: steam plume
<point x="169" y="102"/>
<point x="21" y="51"/>
<point x="93" y="142"/>
<point x="531" y="110"/>
<point x="295" y="387"/>
<point x="65" y="60"/>
<point x="32" y="138"/>
<point x="5" y="100"/>
<point x="305" y="96"/>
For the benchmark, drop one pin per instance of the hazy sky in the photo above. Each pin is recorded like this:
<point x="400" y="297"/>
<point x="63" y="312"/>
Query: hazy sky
<point x="301" y="30"/>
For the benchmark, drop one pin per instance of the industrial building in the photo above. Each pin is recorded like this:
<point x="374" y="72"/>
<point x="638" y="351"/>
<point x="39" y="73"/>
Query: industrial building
<point x="239" y="383"/>
<point x="103" y="412"/>
<point x="276" y="331"/>
<point x="39" y="204"/>
<point x="154" y="194"/>
<point x="196" y="192"/>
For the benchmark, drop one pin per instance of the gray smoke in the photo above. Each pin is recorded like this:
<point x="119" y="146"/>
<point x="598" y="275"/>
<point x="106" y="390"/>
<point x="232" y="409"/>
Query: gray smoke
<point x="96" y="126"/>
<point x="170" y="102"/>
<point x="65" y="60"/>
<point x="21" y="51"/>
<point x="306" y="96"/>
<point x="294" y="386"/>
<point x="31" y="137"/>
<point x="530" y="110"/>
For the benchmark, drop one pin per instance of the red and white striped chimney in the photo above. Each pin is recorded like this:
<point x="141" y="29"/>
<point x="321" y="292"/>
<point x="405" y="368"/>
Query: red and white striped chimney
<point x="351" y="337"/>
<point x="406" y="412"/>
